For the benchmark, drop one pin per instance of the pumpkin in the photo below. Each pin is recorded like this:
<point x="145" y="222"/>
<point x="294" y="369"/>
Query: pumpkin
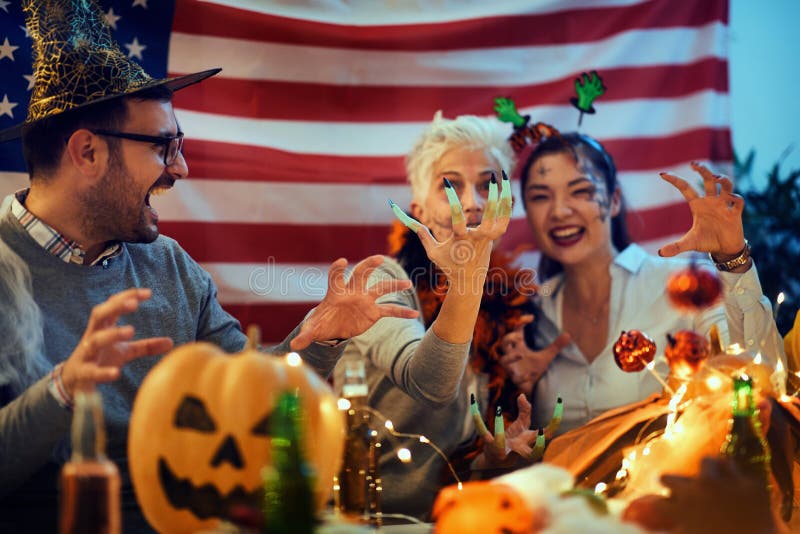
<point x="199" y="433"/>
<point x="633" y="351"/>
<point x="694" y="289"/>
<point x="686" y="352"/>
<point x="482" y="508"/>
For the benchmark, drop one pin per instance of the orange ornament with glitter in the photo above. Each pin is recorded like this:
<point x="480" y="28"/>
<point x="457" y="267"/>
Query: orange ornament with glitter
<point x="633" y="351"/>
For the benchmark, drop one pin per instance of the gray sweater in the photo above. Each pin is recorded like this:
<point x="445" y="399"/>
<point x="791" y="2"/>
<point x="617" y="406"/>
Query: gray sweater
<point x="34" y="428"/>
<point x="421" y="383"/>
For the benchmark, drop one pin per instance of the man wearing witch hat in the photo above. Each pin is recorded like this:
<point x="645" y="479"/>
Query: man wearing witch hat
<point x="83" y="243"/>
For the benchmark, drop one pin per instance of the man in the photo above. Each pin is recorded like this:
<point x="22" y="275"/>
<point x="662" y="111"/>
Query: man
<point x="101" y="137"/>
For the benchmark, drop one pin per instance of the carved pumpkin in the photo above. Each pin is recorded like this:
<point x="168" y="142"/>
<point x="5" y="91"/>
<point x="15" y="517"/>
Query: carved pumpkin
<point x="482" y="508"/>
<point x="694" y="289"/>
<point x="686" y="352"/>
<point x="199" y="433"/>
<point x="633" y="351"/>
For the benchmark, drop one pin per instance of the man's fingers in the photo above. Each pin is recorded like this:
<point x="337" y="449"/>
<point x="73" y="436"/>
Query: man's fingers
<point x="395" y="310"/>
<point x="152" y="346"/>
<point x="681" y="185"/>
<point x="107" y="313"/>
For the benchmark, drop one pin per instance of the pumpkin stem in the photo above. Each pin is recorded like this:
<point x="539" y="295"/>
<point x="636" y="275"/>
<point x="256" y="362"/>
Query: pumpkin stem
<point x="253" y="337"/>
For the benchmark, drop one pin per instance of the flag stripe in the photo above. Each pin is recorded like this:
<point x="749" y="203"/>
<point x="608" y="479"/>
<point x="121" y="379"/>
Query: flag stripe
<point x="583" y="25"/>
<point x="296" y="100"/>
<point x="228" y="161"/>
<point x="480" y="67"/>
<point x="254" y="243"/>
<point x="662" y="117"/>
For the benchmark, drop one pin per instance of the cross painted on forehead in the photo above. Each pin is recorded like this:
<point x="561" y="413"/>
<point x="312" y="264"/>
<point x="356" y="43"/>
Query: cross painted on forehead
<point x="541" y="170"/>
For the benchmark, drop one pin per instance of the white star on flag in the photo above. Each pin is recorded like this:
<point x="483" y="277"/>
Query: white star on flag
<point x="135" y="48"/>
<point x="142" y="3"/>
<point x="6" y="107"/>
<point x="31" y="80"/>
<point x="25" y="29"/>
<point x="4" y="5"/>
<point x="6" y="50"/>
<point x="112" y="18"/>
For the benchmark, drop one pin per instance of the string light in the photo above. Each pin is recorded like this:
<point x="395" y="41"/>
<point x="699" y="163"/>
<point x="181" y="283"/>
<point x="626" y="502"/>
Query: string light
<point x="293" y="359"/>
<point x="404" y="455"/>
<point x="343" y="404"/>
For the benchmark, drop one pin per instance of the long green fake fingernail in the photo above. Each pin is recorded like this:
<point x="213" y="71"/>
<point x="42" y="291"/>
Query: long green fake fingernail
<point x="538" y="447"/>
<point x="499" y="430"/>
<point x="476" y="415"/>
<point x="412" y="224"/>
<point x="505" y="197"/>
<point x="558" y="414"/>
<point x="456" y="212"/>
<point x="491" y="200"/>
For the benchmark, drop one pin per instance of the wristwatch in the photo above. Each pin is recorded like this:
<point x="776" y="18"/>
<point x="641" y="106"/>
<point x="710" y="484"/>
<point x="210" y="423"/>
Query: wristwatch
<point x="738" y="261"/>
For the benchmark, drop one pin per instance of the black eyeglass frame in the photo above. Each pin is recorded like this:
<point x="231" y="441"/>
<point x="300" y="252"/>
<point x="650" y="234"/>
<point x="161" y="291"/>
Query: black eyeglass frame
<point x="165" y="141"/>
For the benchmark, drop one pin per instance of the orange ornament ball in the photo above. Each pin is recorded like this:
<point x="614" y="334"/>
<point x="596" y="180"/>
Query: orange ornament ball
<point x="481" y="508"/>
<point x="686" y="352"/>
<point x="633" y="350"/>
<point x="694" y="289"/>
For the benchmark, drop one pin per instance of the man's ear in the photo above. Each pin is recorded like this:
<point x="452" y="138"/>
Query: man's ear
<point x="87" y="153"/>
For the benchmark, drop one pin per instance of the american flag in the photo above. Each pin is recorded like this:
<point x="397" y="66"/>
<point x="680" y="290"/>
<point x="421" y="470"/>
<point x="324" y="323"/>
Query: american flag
<point x="294" y="148"/>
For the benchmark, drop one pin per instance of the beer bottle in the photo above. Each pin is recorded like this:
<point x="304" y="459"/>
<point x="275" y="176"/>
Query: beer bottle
<point x="357" y="477"/>
<point x="288" y="482"/>
<point x="90" y="483"/>
<point x="745" y="442"/>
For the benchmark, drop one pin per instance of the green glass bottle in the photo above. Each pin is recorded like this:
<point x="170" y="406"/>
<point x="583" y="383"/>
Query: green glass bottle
<point x="289" y="481"/>
<point x="745" y="443"/>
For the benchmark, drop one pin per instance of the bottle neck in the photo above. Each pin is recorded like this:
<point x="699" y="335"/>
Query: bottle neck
<point x="743" y="397"/>
<point x="88" y="430"/>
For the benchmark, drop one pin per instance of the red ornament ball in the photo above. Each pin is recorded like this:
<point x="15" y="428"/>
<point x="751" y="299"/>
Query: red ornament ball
<point x="634" y="350"/>
<point x="694" y="288"/>
<point x="686" y="352"/>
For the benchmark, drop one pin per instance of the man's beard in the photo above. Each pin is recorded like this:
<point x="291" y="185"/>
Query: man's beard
<point x="115" y="210"/>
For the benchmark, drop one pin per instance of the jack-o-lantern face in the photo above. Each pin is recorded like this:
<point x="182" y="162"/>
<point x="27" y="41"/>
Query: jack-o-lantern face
<point x="199" y="433"/>
<point x="482" y="508"/>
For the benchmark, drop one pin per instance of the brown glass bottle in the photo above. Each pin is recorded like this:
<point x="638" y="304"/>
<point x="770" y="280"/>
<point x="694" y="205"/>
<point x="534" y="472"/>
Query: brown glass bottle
<point x="355" y="475"/>
<point x="90" y="484"/>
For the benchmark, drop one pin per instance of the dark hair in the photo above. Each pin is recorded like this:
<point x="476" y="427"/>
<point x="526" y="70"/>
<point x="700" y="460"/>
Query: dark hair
<point x="43" y="141"/>
<point x="580" y="145"/>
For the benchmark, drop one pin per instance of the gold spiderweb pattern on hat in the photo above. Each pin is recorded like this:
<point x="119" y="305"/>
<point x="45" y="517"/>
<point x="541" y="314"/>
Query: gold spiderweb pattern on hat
<point x="75" y="59"/>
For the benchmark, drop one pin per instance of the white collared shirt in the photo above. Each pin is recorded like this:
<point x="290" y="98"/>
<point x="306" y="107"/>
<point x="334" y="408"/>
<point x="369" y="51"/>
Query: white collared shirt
<point x="638" y="301"/>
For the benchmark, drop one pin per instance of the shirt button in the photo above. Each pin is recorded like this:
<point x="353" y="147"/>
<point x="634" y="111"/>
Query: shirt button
<point x="750" y="342"/>
<point x="740" y="291"/>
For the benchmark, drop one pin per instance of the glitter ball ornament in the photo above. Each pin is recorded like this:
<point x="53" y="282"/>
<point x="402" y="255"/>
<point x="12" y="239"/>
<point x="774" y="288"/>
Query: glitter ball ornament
<point x="633" y="351"/>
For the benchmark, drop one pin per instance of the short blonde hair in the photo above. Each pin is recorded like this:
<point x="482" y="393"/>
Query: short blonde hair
<point x="443" y="134"/>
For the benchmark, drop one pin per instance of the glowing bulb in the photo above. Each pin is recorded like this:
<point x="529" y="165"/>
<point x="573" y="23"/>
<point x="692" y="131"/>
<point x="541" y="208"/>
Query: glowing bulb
<point x="781" y="297"/>
<point x="735" y="349"/>
<point x="646" y="451"/>
<point x="404" y="455"/>
<point x="713" y="382"/>
<point x="757" y="359"/>
<point x="423" y="439"/>
<point x="600" y="488"/>
<point x="373" y="433"/>
<point x="343" y="404"/>
<point x="779" y="366"/>
<point x="388" y="424"/>
<point x="293" y="359"/>
<point x="650" y="366"/>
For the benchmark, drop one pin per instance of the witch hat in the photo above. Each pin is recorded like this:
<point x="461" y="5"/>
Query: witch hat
<point x="76" y="62"/>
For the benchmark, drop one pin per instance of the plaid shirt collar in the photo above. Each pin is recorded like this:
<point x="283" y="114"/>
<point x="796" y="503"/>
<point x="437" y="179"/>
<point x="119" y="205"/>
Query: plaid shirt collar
<point x="49" y="239"/>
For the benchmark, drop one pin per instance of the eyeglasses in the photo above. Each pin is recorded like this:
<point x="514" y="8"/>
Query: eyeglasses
<point x="173" y="144"/>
